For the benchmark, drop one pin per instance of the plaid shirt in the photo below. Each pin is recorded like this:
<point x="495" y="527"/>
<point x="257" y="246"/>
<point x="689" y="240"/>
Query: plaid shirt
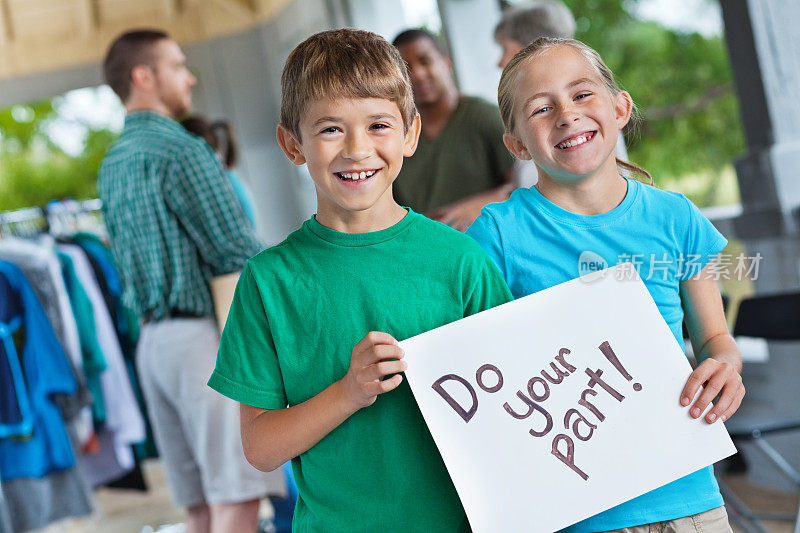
<point x="172" y="216"/>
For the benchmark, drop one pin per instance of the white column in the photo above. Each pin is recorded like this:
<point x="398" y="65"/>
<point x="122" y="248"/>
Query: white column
<point x="469" y="28"/>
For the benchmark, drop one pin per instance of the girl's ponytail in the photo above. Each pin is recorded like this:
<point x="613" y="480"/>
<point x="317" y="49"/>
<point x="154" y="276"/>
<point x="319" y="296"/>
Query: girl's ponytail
<point x="632" y="170"/>
<point x="226" y="142"/>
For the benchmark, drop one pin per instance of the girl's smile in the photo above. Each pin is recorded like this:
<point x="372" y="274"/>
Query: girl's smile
<point x="574" y="141"/>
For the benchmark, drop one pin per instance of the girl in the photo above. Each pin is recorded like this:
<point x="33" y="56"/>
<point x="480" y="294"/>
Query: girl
<point x="220" y="137"/>
<point x="562" y="108"/>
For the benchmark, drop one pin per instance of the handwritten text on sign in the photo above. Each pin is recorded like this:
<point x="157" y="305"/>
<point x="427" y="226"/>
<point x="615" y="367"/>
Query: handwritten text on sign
<point x="572" y="392"/>
<point x="582" y="427"/>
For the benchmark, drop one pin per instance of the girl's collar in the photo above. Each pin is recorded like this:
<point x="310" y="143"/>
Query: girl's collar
<point x="586" y="221"/>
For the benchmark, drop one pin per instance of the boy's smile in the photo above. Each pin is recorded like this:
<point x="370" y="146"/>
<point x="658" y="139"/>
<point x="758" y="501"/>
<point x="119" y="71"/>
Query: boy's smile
<point x="567" y="120"/>
<point x="355" y="176"/>
<point x="354" y="148"/>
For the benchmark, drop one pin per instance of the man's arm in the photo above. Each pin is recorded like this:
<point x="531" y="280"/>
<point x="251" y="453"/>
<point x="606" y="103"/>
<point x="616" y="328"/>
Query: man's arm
<point x="201" y="196"/>
<point x="272" y="437"/>
<point x="461" y="214"/>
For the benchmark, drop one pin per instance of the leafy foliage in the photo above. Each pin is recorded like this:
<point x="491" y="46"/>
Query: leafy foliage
<point x="33" y="169"/>
<point x="683" y="86"/>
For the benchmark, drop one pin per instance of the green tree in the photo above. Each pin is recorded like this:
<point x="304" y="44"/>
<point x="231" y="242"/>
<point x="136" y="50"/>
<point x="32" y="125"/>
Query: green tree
<point x="683" y="86"/>
<point x="33" y="169"/>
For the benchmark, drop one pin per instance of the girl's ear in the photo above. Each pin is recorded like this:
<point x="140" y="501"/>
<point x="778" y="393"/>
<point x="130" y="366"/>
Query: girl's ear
<point x="290" y="146"/>
<point x="623" y="107"/>
<point x="516" y="147"/>
<point x="412" y="136"/>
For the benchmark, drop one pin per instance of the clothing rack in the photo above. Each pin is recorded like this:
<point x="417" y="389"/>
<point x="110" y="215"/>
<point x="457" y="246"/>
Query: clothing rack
<point x="62" y="218"/>
<point x="67" y="217"/>
<point x="25" y="222"/>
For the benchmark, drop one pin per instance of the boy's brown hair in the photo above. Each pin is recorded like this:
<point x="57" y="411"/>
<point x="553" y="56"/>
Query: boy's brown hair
<point x="343" y="63"/>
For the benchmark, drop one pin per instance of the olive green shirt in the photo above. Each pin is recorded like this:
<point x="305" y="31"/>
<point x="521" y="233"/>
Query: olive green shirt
<point x="467" y="157"/>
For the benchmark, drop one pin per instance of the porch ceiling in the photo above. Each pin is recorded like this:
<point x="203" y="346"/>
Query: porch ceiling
<point x="44" y="35"/>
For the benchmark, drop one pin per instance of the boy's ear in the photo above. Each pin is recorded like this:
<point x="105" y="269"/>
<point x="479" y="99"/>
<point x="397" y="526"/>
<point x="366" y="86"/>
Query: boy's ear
<point x="516" y="147"/>
<point x="412" y="136"/>
<point x="290" y="146"/>
<point x="623" y="107"/>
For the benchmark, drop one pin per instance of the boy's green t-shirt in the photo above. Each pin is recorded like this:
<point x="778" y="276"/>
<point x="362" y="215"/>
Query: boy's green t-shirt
<point x="299" y="309"/>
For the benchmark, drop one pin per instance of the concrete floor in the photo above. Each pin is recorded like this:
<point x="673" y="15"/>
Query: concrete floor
<point x="126" y="511"/>
<point x="130" y="512"/>
<point x="759" y="498"/>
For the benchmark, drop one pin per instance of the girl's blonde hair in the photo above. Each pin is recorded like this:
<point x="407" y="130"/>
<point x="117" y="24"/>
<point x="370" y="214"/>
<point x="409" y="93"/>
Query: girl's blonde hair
<point x="508" y="82"/>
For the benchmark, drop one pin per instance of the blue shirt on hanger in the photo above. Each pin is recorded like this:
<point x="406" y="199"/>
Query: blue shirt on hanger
<point x="16" y="419"/>
<point x="46" y="372"/>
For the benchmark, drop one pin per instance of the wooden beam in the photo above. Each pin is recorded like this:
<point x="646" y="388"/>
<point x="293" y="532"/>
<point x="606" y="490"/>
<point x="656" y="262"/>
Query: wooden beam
<point x="250" y="5"/>
<point x="266" y="9"/>
<point x="87" y="14"/>
<point x="6" y="33"/>
<point x="192" y="21"/>
<point x="169" y="9"/>
<point x="239" y="8"/>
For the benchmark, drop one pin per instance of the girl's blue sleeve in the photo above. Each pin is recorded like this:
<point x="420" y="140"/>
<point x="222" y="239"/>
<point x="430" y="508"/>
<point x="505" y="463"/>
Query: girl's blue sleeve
<point x="243" y="196"/>
<point x="702" y="241"/>
<point x="487" y="234"/>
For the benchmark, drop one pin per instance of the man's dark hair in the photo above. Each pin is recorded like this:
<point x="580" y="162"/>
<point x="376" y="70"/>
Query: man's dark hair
<point x="414" y="34"/>
<point x="129" y="50"/>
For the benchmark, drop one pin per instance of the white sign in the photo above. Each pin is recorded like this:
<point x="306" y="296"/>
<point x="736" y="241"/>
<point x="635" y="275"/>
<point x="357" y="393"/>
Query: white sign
<point x="557" y="406"/>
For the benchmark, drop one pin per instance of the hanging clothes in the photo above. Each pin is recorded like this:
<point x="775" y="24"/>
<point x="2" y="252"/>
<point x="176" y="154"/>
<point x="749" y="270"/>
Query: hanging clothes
<point x="34" y="503"/>
<point x="82" y="304"/>
<point x="111" y="285"/>
<point x="94" y="362"/>
<point x="16" y="417"/>
<point x="47" y="372"/>
<point x="43" y="269"/>
<point x="124" y="424"/>
<point x="127" y="324"/>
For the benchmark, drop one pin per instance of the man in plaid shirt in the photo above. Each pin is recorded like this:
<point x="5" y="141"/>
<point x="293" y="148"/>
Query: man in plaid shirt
<point x="174" y="223"/>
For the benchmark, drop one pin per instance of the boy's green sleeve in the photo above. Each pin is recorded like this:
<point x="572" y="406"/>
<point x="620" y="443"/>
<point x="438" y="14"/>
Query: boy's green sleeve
<point x="247" y="367"/>
<point x="489" y="289"/>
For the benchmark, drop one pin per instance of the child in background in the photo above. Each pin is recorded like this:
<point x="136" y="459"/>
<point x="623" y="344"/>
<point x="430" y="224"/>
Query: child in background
<point x="220" y="137"/>
<point x="562" y="108"/>
<point x="310" y="345"/>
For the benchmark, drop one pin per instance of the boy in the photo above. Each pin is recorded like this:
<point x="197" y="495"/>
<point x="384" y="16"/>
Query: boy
<point x="314" y="319"/>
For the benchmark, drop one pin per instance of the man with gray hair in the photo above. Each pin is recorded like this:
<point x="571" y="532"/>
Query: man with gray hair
<point x="525" y="22"/>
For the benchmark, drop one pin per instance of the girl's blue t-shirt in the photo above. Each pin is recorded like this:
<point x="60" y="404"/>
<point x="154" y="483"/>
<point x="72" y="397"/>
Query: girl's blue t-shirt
<point x="537" y="245"/>
<point x="245" y="200"/>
